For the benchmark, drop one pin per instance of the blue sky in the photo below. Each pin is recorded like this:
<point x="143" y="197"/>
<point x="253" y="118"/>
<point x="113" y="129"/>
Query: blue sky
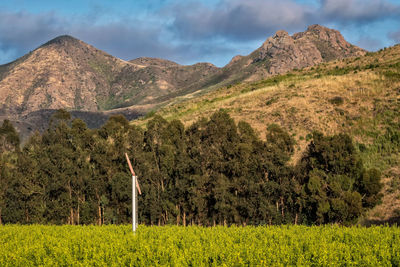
<point x="189" y="31"/>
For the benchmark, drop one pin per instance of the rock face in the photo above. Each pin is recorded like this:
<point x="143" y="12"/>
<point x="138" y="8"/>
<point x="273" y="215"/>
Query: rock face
<point x="282" y="53"/>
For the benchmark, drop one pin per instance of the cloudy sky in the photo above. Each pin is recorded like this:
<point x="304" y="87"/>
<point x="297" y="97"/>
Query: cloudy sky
<point x="189" y="31"/>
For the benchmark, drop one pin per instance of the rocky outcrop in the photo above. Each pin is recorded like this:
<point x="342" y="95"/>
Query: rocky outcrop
<point x="284" y="53"/>
<point x="281" y="53"/>
<point x="317" y="44"/>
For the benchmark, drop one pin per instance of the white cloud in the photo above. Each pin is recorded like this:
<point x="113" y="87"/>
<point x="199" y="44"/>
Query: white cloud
<point x="370" y="44"/>
<point x="358" y="11"/>
<point x="395" y="36"/>
<point x="238" y="20"/>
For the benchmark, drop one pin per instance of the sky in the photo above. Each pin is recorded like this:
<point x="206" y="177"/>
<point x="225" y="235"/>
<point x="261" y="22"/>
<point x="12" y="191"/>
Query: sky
<point x="189" y="31"/>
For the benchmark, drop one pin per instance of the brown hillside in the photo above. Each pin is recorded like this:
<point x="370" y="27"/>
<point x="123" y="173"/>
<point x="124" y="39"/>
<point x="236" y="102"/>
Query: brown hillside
<point x="68" y="73"/>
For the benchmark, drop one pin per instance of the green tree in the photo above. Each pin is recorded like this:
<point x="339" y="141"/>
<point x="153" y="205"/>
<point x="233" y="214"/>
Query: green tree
<point x="9" y="149"/>
<point x="30" y="182"/>
<point x="109" y="168"/>
<point x="333" y="176"/>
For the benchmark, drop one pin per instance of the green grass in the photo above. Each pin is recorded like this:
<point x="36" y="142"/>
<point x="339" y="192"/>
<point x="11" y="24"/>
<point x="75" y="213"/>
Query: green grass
<point x="38" y="245"/>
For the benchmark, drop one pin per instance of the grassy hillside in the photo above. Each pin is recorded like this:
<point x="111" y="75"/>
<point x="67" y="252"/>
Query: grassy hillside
<point x="359" y="96"/>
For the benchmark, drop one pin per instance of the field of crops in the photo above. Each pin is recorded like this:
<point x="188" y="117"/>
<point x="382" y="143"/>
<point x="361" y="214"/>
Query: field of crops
<point x="198" y="246"/>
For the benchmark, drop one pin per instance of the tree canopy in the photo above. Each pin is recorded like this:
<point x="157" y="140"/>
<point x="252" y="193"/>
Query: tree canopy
<point x="212" y="172"/>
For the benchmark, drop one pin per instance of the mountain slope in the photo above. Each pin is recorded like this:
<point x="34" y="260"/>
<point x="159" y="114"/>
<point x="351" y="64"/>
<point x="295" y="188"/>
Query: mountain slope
<point x="68" y="73"/>
<point x="352" y="85"/>
<point x="167" y="77"/>
<point x="359" y="96"/>
<point x="63" y="73"/>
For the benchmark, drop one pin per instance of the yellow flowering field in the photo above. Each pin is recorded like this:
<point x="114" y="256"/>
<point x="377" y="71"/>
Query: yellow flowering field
<point x="38" y="245"/>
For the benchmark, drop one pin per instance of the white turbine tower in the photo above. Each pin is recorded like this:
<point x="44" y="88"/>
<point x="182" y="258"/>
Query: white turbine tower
<point x="134" y="195"/>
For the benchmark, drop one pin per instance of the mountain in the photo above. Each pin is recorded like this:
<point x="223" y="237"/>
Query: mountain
<point x="282" y="53"/>
<point x="68" y="73"/>
<point x="162" y="80"/>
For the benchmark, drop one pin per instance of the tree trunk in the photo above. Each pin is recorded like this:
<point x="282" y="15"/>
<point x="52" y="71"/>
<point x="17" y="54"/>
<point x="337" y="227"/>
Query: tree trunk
<point x="102" y="215"/>
<point x="26" y="215"/>
<point x="71" y="211"/>
<point x="178" y="216"/>
<point x="295" y="218"/>
<point x="99" y="219"/>
<point x="98" y="208"/>
<point x="163" y="218"/>
<point x="156" y="161"/>
<point x="282" y="207"/>
<point x="1" y="221"/>
<point x="77" y="215"/>
<point x="184" y="219"/>
<point x="71" y="215"/>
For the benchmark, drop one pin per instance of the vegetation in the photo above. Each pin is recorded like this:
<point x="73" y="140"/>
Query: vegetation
<point x="205" y="171"/>
<point x="213" y="172"/>
<point x="198" y="246"/>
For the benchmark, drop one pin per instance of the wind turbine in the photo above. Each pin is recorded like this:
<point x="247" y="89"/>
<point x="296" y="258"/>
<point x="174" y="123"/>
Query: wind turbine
<point x="134" y="195"/>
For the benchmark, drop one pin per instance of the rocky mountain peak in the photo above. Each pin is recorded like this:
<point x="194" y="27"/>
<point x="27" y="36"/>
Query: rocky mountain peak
<point x="317" y="27"/>
<point x="281" y="34"/>
<point x="63" y="40"/>
<point x="282" y="52"/>
<point x="321" y="32"/>
<point x="331" y="37"/>
<point x="279" y="39"/>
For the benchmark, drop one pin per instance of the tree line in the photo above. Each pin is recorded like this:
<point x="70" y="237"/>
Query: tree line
<point x="212" y="172"/>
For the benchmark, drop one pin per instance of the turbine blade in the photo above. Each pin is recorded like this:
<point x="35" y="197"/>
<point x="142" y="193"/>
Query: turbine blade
<point x="138" y="186"/>
<point x="130" y="165"/>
